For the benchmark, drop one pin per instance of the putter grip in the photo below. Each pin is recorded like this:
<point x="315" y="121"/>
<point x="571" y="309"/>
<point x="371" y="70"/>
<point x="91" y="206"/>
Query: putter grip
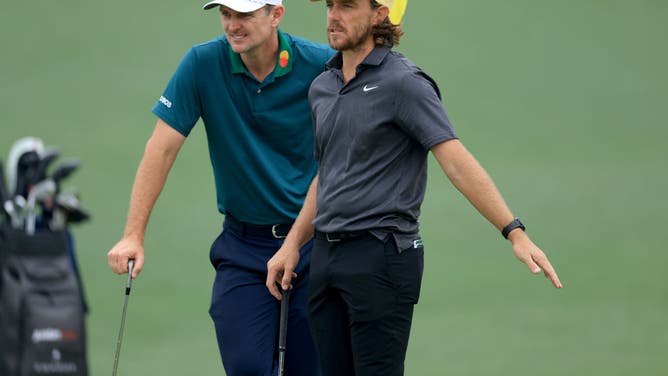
<point x="128" y="285"/>
<point x="283" y="327"/>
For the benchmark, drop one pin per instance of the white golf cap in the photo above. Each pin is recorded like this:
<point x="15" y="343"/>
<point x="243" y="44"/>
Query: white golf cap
<point x="242" y="6"/>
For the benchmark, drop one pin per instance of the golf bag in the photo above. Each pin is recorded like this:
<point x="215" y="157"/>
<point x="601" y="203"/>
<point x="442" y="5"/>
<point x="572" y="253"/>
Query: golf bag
<point x="42" y="315"/>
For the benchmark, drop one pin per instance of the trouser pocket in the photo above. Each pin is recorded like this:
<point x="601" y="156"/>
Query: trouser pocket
<point x="405" y="269"/>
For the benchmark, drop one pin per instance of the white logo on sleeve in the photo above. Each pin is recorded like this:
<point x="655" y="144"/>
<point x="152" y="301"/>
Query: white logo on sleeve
<point x="369" y="88"/>
<point x="166" y="102"/>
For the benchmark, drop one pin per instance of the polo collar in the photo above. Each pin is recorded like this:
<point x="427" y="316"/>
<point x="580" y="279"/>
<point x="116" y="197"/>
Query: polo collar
<point x="283" y="61"/>
<point x="336" y="62"/>
<point x="375" y="57"/>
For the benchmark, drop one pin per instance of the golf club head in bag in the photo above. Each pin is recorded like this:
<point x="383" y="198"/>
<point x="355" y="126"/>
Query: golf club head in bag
<point x="64" y="170"/>
<point x="19" y="148"/>
<point x="42" y="190"/>
<point x="26" y="173"/>
<point x="57" y="216"/>
<point x="67" y="209"/>
<point x="50" y="155"/>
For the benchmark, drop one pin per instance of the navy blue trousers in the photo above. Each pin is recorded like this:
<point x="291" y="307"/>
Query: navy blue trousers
<point x="246" y="316"/>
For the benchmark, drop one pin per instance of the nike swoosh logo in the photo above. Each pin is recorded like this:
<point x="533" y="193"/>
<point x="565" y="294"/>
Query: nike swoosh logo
<point x="366" y="88"/>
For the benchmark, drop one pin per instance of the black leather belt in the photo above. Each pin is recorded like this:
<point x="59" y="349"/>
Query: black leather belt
<point x="277" y="231"/>
<point x="339" y="236"/>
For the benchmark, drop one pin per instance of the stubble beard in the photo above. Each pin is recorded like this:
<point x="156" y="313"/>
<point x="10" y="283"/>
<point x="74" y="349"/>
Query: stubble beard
<point x="354" y="42"/>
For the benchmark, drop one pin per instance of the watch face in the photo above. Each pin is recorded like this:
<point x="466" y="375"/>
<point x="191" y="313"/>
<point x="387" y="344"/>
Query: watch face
<point x="516" y="223"/>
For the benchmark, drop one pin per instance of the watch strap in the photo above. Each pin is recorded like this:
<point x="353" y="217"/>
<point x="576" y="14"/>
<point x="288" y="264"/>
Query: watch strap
<point x="516" y="223"/>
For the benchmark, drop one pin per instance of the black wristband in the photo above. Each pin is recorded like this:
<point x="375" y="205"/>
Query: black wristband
<point x="516" y="223"/>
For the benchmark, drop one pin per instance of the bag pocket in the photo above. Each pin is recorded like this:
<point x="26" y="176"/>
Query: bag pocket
<point x="53" y="334"/>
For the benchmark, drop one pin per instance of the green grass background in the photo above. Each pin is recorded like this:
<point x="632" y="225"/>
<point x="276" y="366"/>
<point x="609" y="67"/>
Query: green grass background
<point x="564" y="103"/>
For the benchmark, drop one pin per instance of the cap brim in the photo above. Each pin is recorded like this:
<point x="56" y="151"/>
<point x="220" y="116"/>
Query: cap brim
<point x="240" y="6"/>
<point x="396" y="11"/>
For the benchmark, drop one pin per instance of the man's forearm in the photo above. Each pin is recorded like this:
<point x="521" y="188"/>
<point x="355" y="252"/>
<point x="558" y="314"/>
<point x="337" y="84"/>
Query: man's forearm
<point x="159" y="156"/>
<point x="473" y="181"/>
<point x="468" y="176"/>
<point x="302" y="230"/>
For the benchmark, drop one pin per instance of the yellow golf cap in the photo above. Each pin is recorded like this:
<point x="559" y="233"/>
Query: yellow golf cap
<point x="397" y="9"/>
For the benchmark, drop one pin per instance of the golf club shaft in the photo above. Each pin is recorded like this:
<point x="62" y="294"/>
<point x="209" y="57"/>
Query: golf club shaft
<point x="283" y="330"/>
<point x="128" y="287"/>
<point x="9" y="208"/>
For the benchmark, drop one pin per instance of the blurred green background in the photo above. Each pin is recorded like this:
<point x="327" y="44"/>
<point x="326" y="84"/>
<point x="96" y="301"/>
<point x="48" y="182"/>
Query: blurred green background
<point x="564" y="103"/>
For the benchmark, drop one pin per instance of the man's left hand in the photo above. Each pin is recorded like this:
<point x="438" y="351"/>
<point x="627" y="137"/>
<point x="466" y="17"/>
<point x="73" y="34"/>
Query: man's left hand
<point x="527" y="252"/>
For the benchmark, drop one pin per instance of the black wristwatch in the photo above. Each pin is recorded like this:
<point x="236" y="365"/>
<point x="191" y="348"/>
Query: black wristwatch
<point x="516" y="223"/>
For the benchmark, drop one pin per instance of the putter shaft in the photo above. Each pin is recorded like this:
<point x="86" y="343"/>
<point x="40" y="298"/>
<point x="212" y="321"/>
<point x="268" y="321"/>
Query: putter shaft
<point x="283" y="329"/>
<point x="128" y="287"/>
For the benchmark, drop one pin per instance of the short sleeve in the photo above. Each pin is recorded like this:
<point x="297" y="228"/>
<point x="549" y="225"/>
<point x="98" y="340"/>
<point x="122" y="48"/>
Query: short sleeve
<point x="419" y="111"/>
<point x="180" y="105"/>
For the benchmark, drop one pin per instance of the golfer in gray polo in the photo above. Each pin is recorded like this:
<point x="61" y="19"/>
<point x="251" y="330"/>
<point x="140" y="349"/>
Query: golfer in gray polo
<point x="376" y="117"/>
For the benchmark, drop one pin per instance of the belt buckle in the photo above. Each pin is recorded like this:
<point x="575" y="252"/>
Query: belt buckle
<point x="331" y="240"/>
<point x="277" y="236"/>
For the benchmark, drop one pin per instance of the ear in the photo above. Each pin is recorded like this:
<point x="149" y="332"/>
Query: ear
<point x="277" y="14"/>
<point x="382" y="12"/>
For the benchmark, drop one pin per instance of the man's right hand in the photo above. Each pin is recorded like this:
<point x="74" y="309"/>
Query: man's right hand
<point x="280" y="269"/>
<point x="123" y="251"/>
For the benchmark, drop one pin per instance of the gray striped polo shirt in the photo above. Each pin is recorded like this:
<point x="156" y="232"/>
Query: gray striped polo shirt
<point x="372" y="136"/>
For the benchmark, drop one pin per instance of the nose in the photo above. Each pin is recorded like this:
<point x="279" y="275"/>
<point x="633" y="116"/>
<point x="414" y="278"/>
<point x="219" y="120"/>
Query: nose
<point x="332" y="13"/>
<point x="231" y="23"/>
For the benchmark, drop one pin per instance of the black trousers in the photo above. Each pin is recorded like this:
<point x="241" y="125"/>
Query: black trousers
<point x="361" y="297"/>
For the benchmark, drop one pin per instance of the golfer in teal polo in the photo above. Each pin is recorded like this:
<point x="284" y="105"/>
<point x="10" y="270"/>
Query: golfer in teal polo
<point x="250" y="88"/>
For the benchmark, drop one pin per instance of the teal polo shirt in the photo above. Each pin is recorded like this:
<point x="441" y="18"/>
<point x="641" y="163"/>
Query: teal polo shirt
<point x="260" y="134"/>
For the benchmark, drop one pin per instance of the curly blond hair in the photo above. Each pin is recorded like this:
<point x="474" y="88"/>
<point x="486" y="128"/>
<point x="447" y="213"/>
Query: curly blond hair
<point x="386" y="33"/>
